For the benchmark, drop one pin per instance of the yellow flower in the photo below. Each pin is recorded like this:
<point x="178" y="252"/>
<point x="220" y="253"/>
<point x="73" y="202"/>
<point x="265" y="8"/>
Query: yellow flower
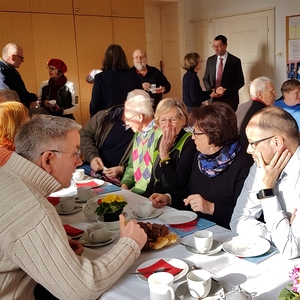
<point x="111" y="198"/>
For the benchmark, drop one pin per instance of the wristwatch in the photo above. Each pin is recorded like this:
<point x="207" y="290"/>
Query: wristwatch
<point x="266" y="193"/>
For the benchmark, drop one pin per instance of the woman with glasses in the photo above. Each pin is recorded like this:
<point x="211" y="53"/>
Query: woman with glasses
<point x="219" y="169"/>
<point x="58" y="95"/>
<point x="174" y="155"/>
<point x="192" y="93"/>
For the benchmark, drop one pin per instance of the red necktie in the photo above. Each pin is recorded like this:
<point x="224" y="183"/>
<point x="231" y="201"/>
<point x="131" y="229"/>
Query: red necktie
<point x="219" y="73"/>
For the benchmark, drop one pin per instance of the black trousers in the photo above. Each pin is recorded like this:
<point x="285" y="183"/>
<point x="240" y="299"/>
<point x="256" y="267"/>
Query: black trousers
<point x="40" y="293"/>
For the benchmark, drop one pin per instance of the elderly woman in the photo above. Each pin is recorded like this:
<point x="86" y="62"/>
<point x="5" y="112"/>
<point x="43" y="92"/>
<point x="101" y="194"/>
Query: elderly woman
<point x="12" y="115"/>
<point x="219" y="168"/>
<point x="58" y="88"/>
<point x="174" y="156"/>
<point x="192" y="93"/>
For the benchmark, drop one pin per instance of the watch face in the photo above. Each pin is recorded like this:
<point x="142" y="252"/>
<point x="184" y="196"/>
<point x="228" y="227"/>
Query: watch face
<point x="268" y="192"/>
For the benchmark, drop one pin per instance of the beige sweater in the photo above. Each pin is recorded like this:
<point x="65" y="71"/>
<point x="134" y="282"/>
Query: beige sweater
<point x="34" y="246"/>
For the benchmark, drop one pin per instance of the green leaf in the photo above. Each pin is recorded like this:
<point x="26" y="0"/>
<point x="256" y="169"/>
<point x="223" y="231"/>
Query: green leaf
<point x="287" y="294"/>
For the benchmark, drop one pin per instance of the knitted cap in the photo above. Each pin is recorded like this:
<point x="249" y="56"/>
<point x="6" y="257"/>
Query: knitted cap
<point x="58" y="64"/>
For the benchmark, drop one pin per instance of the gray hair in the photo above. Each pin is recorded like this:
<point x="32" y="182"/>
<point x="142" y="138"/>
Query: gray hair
<point x="138" y="101"/>
<point x="9" y="95"/>
<point x="166" y="104"/>
<point x="43" y="132"/>
<point x="259" y="84"/>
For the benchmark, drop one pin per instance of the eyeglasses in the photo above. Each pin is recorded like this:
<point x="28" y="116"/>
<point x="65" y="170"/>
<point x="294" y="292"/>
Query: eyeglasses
<point x="128" y="119"/>
<point x="21" y="57"/>
<point x="254" y="144"/>
<point x="197" y="133"/>
<point x="77" y="154"/>
<point x="51" y="68"/>
<point x="172" y="120"/>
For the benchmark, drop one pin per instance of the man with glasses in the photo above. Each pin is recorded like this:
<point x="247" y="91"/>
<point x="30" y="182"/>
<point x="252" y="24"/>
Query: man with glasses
<point x="225" y="70"/>
<point x="12" y="58"/>
<point x="139" y="115"/>
<point x="272" y="186"/>
<point x="152" y="79"/>
<point x="34" y="245"/>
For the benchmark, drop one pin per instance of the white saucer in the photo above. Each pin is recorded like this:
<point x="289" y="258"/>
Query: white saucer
<point x="182" y="292"/>
<point x="85" y="240"/>
<point x="155" y="213"/>
<point x="61" y="212"/>
<point x="215" y="248"/>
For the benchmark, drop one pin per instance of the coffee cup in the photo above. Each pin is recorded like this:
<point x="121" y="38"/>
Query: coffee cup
<point x="97" y="232"/>
<point x="203" y="240"/>
<point x="84" y="193"/>
<point x="199" y="283"/>
<point x="67" y="203"/>
<point x="144" y="208"/>
<point x="78" y="174"/>
<point x="160" y="286"/>
<point x="153" y="88"/>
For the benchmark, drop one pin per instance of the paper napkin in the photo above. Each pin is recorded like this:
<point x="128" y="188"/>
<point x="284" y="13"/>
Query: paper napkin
<point x="72" y="231"/>
<point x="186" y="228"/>
<point x="53" y="200"/>
<point x="88" y="183"/>
<point x="159" y="264"/>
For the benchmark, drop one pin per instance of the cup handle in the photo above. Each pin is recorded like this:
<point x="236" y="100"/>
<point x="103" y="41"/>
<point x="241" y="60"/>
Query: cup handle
<point x="91" y="237"/>
<point x="60" y="206"/>
<point x="172" y="293"/>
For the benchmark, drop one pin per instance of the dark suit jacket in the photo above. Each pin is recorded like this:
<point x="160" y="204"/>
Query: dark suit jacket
<point x="11" y="79"/>
<point x="244" y="113"/>
<point x="232" y="78"/>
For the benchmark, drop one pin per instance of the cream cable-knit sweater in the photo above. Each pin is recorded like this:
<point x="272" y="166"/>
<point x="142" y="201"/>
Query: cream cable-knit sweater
<point x="34" y="246"/>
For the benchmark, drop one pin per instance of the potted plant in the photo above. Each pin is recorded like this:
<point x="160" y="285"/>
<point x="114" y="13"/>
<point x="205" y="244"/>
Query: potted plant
<point x="292" y="291"/>
<point x="110" y="207"/>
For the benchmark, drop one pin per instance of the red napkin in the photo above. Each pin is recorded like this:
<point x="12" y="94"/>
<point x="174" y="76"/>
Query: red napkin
<point x="159" y="264"/>
<point x="187" y="224"/>
<point x="72" y="231"/>
<point x="88" y="183"/>
<point x="53" y="200"/>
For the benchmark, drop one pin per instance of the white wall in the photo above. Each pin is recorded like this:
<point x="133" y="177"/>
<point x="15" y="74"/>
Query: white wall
<point x="205" y="9"/>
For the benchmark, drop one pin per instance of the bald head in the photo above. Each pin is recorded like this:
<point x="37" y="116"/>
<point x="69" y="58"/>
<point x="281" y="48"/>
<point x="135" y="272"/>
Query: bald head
<point x="13" y="54"/>
<point x="139" y="59"/>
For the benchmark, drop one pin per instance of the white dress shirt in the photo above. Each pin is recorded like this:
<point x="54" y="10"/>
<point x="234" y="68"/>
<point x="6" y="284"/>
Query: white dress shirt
<point x="277" y="210"/>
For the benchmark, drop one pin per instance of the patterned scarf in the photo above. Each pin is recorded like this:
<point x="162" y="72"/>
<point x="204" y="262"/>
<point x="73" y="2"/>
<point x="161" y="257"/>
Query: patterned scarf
<point x="213" y="166"/>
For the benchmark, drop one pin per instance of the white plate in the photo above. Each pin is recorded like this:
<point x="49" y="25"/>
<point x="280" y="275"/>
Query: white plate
<point x="177" y="217"/>
<point x="172" y="261"/>
<point x="182" y="292"/>
<point x="85" y="240"/>
<point x="216" y="247"/>
<point x="61" y="212"/>
<point x="155" y="213"/>
<point x="246" y="246"/>
<point x="98" y="181"/>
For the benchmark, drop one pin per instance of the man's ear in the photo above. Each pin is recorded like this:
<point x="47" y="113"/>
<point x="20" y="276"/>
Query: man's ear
<point x="279" y="141"/>
<point x="46" y="161"/>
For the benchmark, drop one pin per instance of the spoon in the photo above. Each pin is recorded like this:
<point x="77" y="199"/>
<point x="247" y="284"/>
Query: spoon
<point x="147" y="272"/>
<point x="194" y="249"/>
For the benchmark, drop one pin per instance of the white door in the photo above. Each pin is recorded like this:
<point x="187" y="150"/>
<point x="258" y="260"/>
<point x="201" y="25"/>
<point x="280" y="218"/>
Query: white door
<point x="250" y="37"/>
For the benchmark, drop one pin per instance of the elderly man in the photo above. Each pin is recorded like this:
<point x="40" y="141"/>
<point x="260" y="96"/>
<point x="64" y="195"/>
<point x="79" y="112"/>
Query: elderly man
<point x="8" y="95"/>
<point x="150" y="75"/>
<point x="34" y="246"/>
<point x="138" y="114"/>
<point x="262" y="93"/>
<point x="106" y="144"/>
<point x="272" y="186"/>
<point x="12" y="58"/>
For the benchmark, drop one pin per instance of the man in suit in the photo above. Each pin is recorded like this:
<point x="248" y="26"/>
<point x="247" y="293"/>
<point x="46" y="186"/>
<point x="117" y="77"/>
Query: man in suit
<point x="225" y="70"/>
<point x="12" y="58"/>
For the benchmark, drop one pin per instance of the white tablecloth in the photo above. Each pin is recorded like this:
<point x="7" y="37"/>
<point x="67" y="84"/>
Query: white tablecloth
<point x="266" y="279"/>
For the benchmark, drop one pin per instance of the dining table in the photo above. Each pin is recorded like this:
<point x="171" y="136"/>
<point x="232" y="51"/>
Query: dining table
<point x="264" y="279"/>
